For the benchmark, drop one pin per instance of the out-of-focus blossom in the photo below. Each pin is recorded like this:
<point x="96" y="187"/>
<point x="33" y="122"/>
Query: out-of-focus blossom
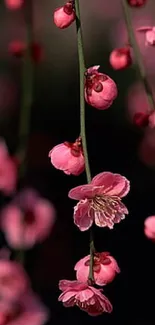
<point x="64" y="16"/>
<point x="17" y="48"/>
<point x="149" y="227"/>
<point x="8" y="170"/>
<point x="27" y="311"/>
<point x="149" y="34"/>
<point x="152" y="120"/>
<point x="100" y="89"/>
<point x="136" y="3"/>
<point x="8" y="96"/>
<point x="68" y="157"/>
<point x="120" y="58"/>
<point x="141" y="119"/>
<point x="105" y="268"/>
<point x="13" y="280"/>
<point x="27" y="220"/>
<point x="100" y="201"/>
<point x="13" y="4"/>
<point x="87" y="298"/>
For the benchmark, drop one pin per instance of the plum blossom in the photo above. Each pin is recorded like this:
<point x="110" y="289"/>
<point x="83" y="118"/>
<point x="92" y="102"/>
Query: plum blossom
<point x="100" y="89"/>
<point x="8" y="170"/>
<point x="136" y="3"/>
<point x="105" y="268"/>
<point x="68" y="157"/>
<point x="87" y="298"/>
<point x="13" y="280"/>
<point x="27" y="220"/>
<point x="13" y="4"/>
<point x="149" y="34"/>
<point x="28" y="310"/>
<point x="149" y="228"/>
<point x="120" y="58"/>
<point x="100" y="201"/>
<point x="64" y="16"/>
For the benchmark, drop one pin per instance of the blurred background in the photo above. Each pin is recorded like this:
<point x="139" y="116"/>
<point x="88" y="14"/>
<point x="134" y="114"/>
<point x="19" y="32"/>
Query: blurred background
<point x="114" y="144"/>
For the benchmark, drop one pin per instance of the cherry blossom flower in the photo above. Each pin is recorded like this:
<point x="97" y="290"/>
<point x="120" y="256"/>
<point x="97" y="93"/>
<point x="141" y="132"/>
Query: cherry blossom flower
<point x="8" y="170"/>
<point x="13" y="280"/>
<point x="64" y="16"/>
<point x="29" y="310"/>
<point x="100" y="201"/>
<point x="105" y="268"/>
<point x="85" y="297"/>
<point x="27" y="220"/>
<point x="136" y="3"/>
<point x="13" y="4"/>
<point x="100" y="89"/>
<point x="149" y="227"/>
<point x="120" y="58"/>
<point x="149" y="34"/>
<point x="68" y="157"/>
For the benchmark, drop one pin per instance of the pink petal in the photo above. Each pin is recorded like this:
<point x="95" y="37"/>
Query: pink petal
<point x="113" y="184"/>
<point x="83" y="216"/>
<point x="144" y="29"/>
<point x="66" y="285"/>
<point x="80" y="263"/>
<point x="81" y="192"/>
<point x="94" y="68"/>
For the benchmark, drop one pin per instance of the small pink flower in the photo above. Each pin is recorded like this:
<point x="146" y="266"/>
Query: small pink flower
<point x="27" y="220"/>
<point x="13" y="280"/>
<point x="149" y="34"/>
<point x="13" y="4"/>
<point x="64" y="16"/>
<point x="120" y="58"/>
<point x="149" y="227"/>
<point x="68" y="157"/>
<point x="28" y="311"/>
<point x="100" y="89"/>
<point x="85" y="297"/>
<point x="105" y="268"/>
<point x="8" y="171"/>
<point x="136" y="3"/>
<point x="100" y="201"/>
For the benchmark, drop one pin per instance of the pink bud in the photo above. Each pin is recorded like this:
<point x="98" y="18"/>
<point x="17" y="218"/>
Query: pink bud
<point x="13" y="4"/>
<point x="120" y="58"/>
<point x="68" y="157"/>
<point x="64" y="16"/>
<point x="141" y="119"/>
<point x="136" y="3"/>
<point x="149" y="227"/>
<point x="100" y="89"/>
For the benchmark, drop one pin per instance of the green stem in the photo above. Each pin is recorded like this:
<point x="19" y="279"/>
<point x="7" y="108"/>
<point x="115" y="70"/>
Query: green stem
<point x="82" y="70"/>
<point x="138" y="57"/>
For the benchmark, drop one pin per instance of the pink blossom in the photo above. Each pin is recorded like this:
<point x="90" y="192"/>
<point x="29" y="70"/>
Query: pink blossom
<point x="149" y="34"/>
<point x="64" y="16"/>
<point x="136" y="3"/>
<point x="8" y="171"/>
<point x="85" y="297"/>
<point x="68" y="157"/>
<point x="141" y="119"/>
<point x="152" y="120"/>
<point x="100" y="89"/>
<point x="28" y="311"/>
<point x="13" y="280"/>
<point x="17" y="48"/>
<point x="120" y="58"/>
<point x="27" y="220"/>
<point x="100" y="201"/>
<point x="149" y="227"/>
<point x="105" y="268"/>
<point x="13" y="4"/>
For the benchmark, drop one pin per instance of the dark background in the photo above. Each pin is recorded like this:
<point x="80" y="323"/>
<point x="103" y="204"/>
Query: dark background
<point x="113" y="144"/>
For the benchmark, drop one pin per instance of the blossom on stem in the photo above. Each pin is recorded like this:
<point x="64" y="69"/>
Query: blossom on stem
<point x="100" y="201"/>
<point x="13" y="4"/>
<point x="120" y="58"/>
<point x="64" y="16"/>
<point x="27" y="220"/>
<point x="105" y="268"/>
<point x="8" y="170"/>
<point x="149" y="228"/>
<point x="149" y="34"/>
<point x="86" y="297"/>
<point x="13" y="280"/>
<point x="68" y="157"/>
<point x="100" y="89"/>
<point x="28" y="310"/>
<point x="136" y="3"/>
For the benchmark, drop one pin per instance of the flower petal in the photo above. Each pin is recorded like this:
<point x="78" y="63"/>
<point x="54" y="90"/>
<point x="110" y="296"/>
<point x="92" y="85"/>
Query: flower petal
<point x="81" y="192"/>
<point x="144" y="29"/>
<point x="83" y="215"/>
<point x="112" y="184"/>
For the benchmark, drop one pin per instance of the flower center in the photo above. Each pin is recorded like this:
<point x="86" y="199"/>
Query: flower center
<point x="29" y="217"/>
<point x="108" y="204"/>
